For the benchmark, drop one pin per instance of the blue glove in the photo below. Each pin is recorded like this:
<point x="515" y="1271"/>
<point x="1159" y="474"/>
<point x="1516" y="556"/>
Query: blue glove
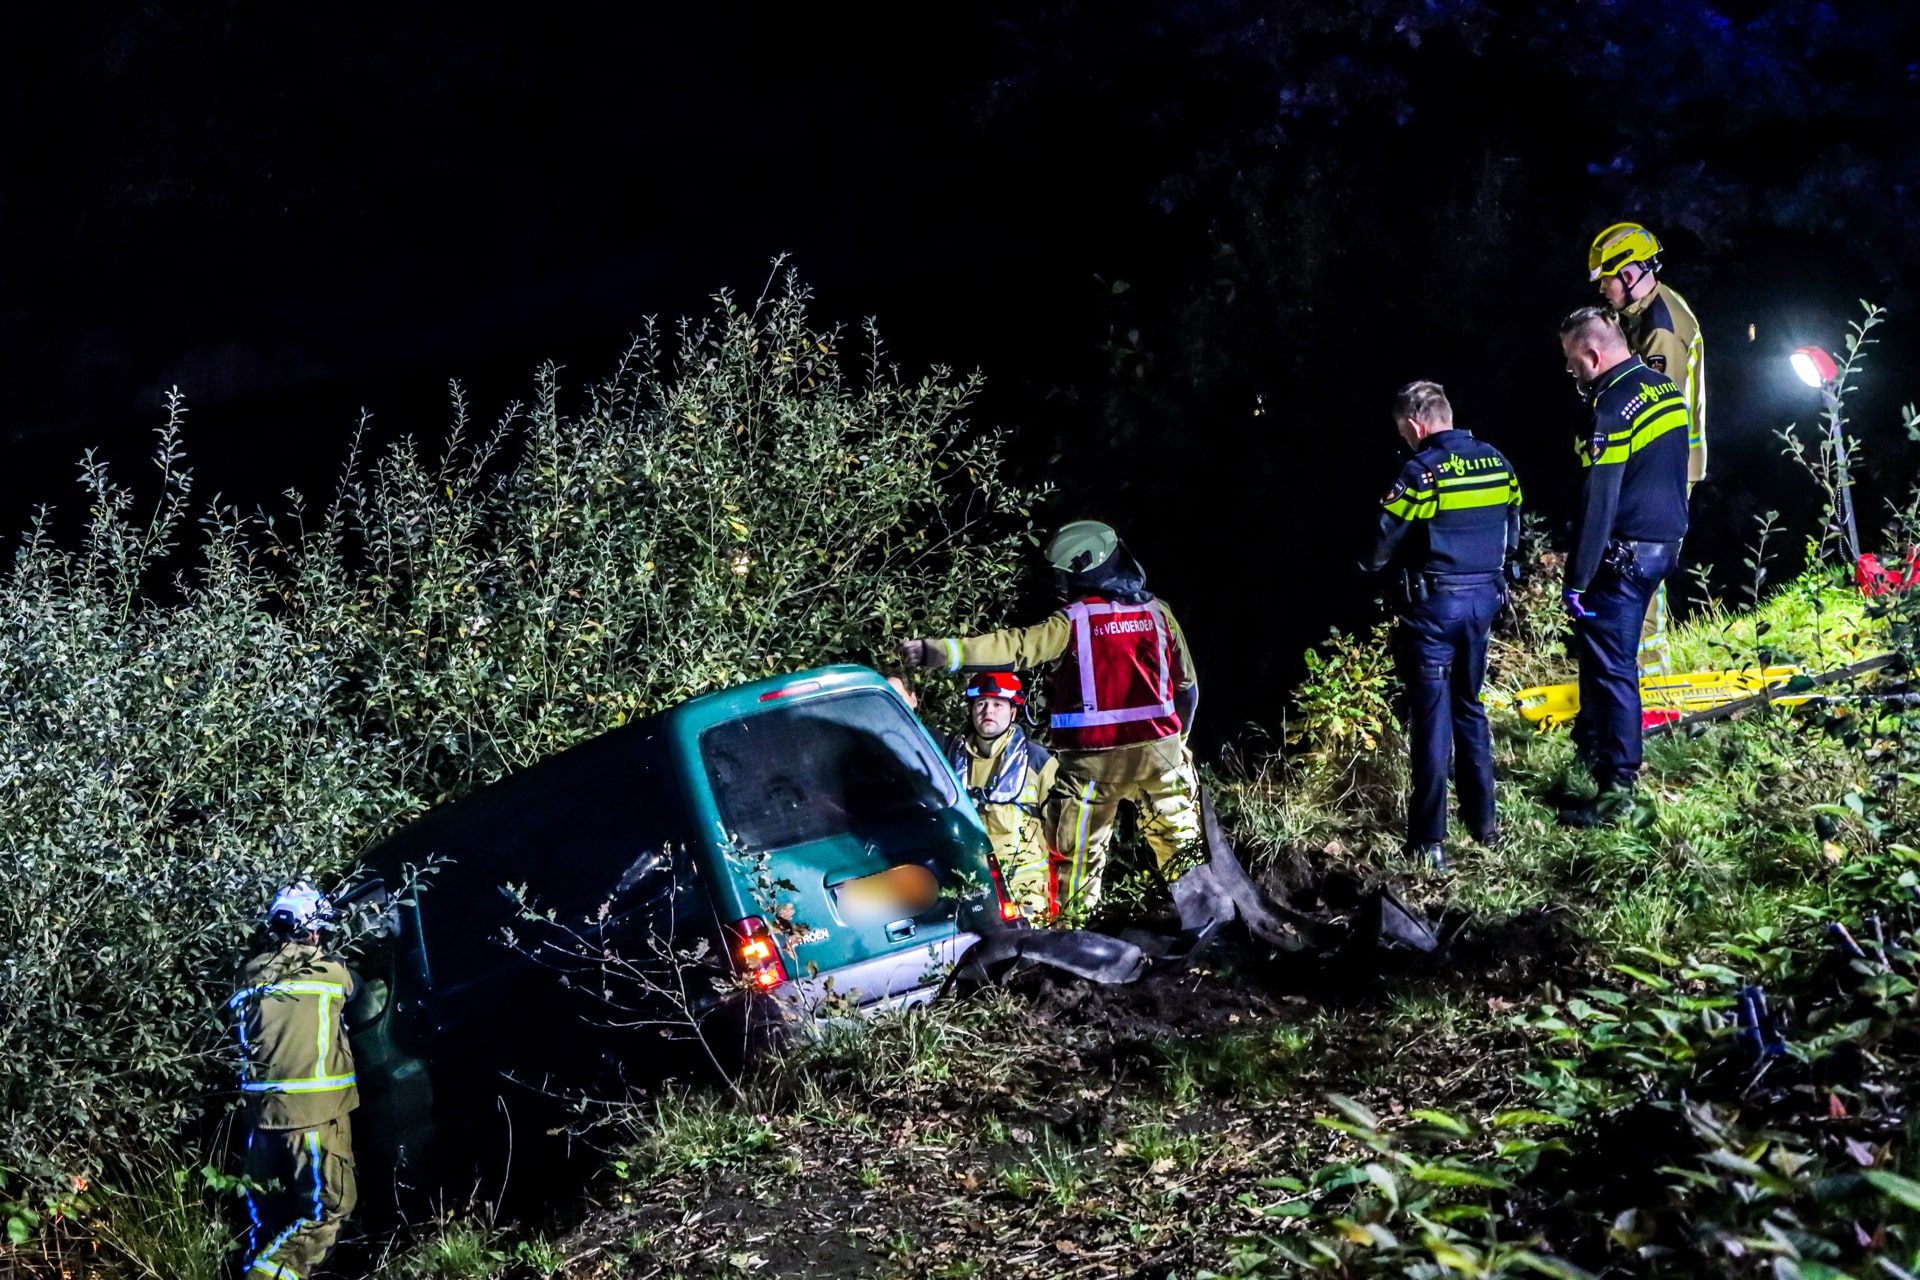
<point x="1575" y="609"/>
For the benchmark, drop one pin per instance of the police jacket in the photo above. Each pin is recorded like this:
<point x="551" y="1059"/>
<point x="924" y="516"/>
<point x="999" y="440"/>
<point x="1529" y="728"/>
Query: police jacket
<point x="1455" y="508"/>
<point x="1635" y="456"/>
<point x="1664" y="333"/>
<point x="298" y="1069"/>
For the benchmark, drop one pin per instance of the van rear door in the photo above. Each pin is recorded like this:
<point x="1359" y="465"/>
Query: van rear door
<point x="847" y="831"/>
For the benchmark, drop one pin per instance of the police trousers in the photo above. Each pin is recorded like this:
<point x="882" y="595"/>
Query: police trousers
<point x="1607" y="645"/>
<point x="304" y="1190"/>
<point x="1157" y="778"/>
<point x="1442" y="656"/>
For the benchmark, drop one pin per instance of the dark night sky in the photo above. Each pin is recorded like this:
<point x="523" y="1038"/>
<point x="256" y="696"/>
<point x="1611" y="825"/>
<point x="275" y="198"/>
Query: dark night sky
<point x="292" y="212"/>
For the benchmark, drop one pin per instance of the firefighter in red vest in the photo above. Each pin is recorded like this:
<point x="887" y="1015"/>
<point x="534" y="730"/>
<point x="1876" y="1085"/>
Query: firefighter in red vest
<point x="1121" y="698"/>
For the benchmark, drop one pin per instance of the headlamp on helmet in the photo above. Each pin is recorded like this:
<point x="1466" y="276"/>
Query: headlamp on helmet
<point x="996" y="684"/>
<point x="300" y="908"/>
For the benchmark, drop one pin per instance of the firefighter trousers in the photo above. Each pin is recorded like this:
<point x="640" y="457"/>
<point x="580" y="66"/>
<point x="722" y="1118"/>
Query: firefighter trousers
<point x="1656" y="656"/>
<point x="1157" y="778"/>
<point x="1029" y="877"/>
<point x="304" y="1190"/>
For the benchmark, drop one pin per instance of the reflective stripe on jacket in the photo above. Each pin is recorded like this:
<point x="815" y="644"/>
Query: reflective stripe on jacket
<point x="1009" y="780"/>
<point x="298" y="1068"/>
<point x="1115" y="683"/>
<point x="1016" y="770"/>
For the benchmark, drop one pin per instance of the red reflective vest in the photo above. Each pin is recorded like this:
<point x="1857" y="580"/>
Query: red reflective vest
<point x="1114" y="685"/>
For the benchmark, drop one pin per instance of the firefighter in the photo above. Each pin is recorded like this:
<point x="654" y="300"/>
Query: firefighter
<point x="1626" y="541"/>
<point x="1624" y="261"/>
<point x="1121" y="698"/>
<point x="297" y="1088"/>
<point x="1011" y="779"/>
<point x="1450" y="521"/>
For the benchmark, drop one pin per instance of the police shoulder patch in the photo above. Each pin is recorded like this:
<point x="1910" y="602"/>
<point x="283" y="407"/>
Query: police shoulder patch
<point x="1394" y="494"/>
<point x="1656" y="363"/>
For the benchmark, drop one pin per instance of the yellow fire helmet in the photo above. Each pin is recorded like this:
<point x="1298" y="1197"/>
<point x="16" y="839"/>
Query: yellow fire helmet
<point x="1619" y="244"/>
<point x="1081" y="545"/>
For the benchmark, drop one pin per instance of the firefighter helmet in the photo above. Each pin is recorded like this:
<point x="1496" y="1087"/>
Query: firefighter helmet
<point x="300" y="908"/>
<point x="1081" y="545"/>
<point x="1619" y="244"/>
<point x="996" y="684"/>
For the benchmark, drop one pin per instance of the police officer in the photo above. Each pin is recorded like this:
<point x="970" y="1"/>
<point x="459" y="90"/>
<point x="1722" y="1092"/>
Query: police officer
<point x="297" y="1089"/>
<point x="1624" y="261"/>
<point x="1121" y="697"/>
<point x="1449" y="523"/>
<point x="1626" y="540"/>
<point x="1011" y="779"/>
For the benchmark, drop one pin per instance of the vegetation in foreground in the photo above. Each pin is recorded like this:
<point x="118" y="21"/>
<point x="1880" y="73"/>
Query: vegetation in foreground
<point x="1573" y="1090"/>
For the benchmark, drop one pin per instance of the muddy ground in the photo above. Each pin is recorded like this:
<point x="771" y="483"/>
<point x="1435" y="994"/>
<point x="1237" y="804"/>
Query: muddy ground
<point x="1086" y="1131"/>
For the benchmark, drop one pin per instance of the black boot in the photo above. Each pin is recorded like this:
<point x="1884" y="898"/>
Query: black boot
<point x="1610" y="808"/>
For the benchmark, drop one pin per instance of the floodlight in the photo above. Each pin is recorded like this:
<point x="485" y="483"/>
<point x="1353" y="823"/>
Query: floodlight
<point x="1815" y="367"/>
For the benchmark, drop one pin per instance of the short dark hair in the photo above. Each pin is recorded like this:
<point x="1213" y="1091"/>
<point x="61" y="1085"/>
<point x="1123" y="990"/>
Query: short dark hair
<point x="1601" y="324"/>
<point x="1424" y="400"/>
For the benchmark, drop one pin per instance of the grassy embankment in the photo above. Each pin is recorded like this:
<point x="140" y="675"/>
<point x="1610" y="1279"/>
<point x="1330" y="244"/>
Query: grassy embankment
<point x="1562" y="1095"/>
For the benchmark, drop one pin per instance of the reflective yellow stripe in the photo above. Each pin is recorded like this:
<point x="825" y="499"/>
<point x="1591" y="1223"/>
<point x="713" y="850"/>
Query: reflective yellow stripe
<point x="1485" y="477"/>
<point x="316" y="1084"/>
<point x="1658" y="427"/>
<point x="1661" y="405"/>
<point x="289" y="989"/>
<point x="1615" y="454"/>
<point x="1077" y="875"/>
<point x="1477" y="498"/>
<point x="320" y="1037"/>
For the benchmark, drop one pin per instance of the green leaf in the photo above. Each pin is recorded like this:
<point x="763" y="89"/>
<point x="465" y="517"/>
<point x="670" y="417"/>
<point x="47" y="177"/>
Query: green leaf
<point x="1548" y="1265"/>
<point x="1446" y="1175"/>
<point x="1905" y="1190"/>
<point x="1653" y="980"/>
<point x="1353" y="1111"/>
<point x="1441" y="1120"/>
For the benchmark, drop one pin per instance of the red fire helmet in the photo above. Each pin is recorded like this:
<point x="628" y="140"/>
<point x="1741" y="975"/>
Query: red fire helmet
<point x="996" y="684"/>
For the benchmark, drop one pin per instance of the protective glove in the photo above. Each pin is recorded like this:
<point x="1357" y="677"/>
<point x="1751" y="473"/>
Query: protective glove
<point x="918" y="653"/>
<point x="1575" y="609"/>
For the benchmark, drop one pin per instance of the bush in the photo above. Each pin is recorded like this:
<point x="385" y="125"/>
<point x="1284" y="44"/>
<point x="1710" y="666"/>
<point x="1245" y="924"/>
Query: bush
<point x="189" y="726"/>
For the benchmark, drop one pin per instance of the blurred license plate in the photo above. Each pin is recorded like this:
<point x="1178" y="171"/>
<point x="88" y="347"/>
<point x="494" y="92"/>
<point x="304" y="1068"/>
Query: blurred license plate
<point x="905" y="890"/>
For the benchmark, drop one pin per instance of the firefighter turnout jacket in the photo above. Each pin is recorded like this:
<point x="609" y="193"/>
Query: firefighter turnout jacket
<point x="1454" y="509"/>
<point x="1663" y="332"/>
<point x="1010" y="777"/>
<point x="1635" y="456"/>
<point x="1119" y="668"/>
<point x="298" y="1069"/>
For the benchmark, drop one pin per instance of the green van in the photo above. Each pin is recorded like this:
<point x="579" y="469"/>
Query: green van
<point x="786" y="850"/>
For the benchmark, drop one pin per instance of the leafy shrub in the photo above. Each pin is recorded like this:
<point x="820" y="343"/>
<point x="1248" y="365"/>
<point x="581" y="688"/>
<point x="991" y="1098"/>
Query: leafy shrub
<point x="1344" y="709"/>
<point x="190" y="725"/>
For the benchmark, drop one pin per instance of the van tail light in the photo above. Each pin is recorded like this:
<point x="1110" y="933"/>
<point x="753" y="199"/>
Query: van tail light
<point x="758" y="953"/>
<point x="1009" y="909"/>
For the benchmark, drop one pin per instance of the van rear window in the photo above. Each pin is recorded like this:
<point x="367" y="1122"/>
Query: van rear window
<point x="848" y="764"/>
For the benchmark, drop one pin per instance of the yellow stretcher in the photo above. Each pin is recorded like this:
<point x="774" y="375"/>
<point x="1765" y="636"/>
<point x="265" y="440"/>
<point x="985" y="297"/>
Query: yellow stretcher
<point x="1664" y="698"/>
